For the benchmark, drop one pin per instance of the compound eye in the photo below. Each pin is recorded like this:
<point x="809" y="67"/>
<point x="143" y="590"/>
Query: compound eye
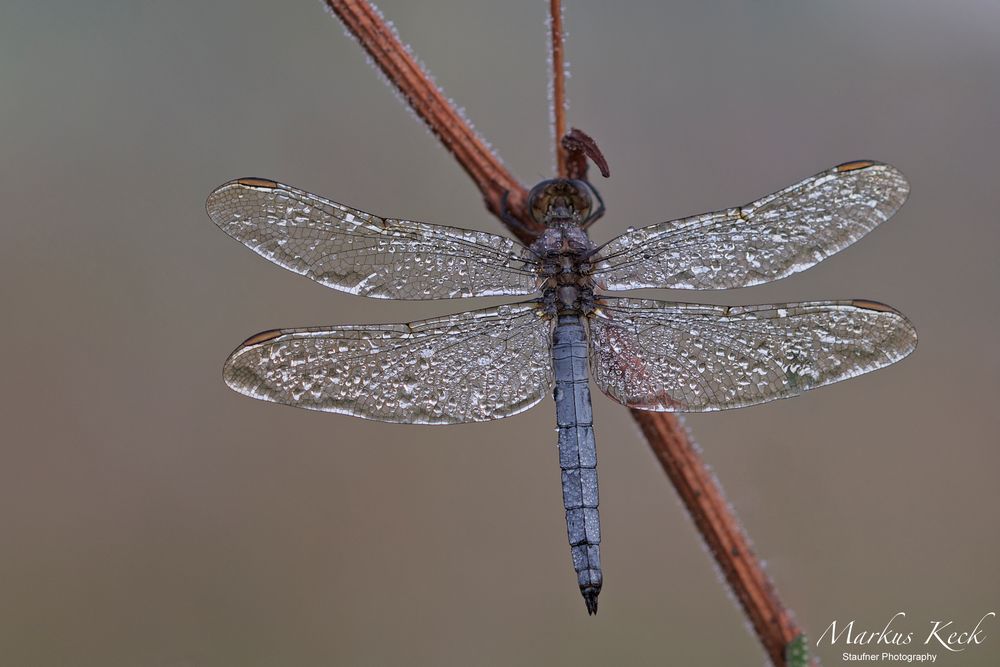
<point x="538" y="201"/>
<point x="582" y="201"/>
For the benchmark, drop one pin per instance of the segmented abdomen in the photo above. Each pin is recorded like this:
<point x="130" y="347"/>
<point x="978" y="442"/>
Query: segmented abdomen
<point x="577" y="454"/>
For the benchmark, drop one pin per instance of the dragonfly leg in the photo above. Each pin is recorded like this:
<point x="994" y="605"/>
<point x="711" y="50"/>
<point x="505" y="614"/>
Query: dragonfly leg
<point x="510" y="218"/>
<point x="598" y="213"/>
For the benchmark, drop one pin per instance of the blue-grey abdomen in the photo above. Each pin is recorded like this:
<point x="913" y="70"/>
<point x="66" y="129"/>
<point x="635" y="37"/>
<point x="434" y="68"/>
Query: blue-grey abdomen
<point x="577" y="453"/>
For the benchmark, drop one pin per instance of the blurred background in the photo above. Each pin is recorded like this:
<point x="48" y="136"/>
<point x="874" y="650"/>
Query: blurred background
<point x="150" y="516"/>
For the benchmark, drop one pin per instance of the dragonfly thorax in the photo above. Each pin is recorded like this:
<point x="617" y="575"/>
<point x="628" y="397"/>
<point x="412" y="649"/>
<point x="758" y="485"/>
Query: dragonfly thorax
<point x="564" y="252"/>
<point x="563" y="249"/>
<point x="562" y="241"/>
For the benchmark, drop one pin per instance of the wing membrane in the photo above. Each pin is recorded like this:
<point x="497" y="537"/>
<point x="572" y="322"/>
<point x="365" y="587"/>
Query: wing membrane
<point x="473" y="366"/>
<point x="353" y="251"/>
<point x="773" y="237"/>
<point x="682" y="357"/>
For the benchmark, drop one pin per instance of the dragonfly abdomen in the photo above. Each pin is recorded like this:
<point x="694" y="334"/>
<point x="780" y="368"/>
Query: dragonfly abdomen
<point x="577" y="453"/>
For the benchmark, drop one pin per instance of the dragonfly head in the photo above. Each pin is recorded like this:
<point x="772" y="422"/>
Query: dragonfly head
<point x="560" y="200"/>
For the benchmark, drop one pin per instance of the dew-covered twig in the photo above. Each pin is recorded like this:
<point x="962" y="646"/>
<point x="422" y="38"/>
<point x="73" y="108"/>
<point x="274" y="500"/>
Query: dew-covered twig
<point x="557" y="84"/>
<point x="716" y="521"/>
<point x="379" y="39"/>
<point x="698" y="489"/>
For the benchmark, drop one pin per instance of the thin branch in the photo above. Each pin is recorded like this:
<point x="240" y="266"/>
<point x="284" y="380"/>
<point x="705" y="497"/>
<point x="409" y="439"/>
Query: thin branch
<point x="697" y="488"/>
<point x="716" y="520"/>
<point x="558" y="83"/>
<point x="365" y="22"/>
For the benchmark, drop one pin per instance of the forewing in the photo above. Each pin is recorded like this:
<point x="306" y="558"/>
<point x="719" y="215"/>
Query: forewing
<point x="773" y="237"/>
<point x="682" y="357"/>
<point x="470" y="367"/>
<point x="353" y="251"/>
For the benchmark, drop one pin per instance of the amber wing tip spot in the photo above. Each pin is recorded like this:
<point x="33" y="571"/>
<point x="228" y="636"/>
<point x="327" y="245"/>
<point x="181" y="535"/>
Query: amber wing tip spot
<point x="873" y="305"/>
<point x="262" y="337"/>
<point x="857" y="164"/>
<point x="257" y="183"/>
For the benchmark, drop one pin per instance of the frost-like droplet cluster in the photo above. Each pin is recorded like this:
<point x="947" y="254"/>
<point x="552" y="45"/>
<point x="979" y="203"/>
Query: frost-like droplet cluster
<point x="664" y="356"/>
<point x="773" y="237"/>
<point x="472" y="366"/>
<point x="353" y="251"/>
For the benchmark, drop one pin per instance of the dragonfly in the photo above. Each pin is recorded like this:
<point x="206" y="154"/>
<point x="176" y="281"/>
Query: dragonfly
<point x="495" y="362"/>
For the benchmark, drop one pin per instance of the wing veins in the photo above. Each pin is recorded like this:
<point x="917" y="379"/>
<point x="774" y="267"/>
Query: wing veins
<point x="770" y="238"/>
<point x="737" y="356"/>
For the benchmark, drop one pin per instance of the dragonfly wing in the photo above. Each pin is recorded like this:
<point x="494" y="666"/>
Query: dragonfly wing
<point x="683" y="357"/>
<point x="353" y="251"/>
<point x="470" y="367"/>
<point x="773" y="237"/>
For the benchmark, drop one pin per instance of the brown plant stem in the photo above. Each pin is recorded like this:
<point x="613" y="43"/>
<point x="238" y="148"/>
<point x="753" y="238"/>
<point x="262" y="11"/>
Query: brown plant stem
<point x="717" y="523"/>
<point x="697" y="488"/>
<point x="426" y="99"/>
<point x="558" y="74"/>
